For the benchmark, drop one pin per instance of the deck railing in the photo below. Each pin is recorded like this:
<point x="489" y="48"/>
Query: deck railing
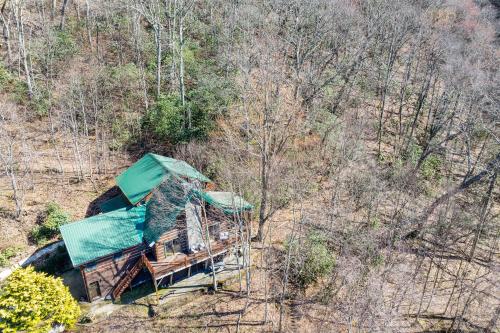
<point x="162" y="268"/>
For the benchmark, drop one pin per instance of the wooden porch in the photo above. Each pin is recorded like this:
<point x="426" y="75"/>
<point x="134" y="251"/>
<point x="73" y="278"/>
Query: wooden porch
<point x="181" y="261"/>
<point x="162" y="268"/>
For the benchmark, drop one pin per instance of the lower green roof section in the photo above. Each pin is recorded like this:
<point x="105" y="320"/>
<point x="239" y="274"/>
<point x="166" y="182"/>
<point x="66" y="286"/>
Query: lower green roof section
<point x="226" y="201"/>
<point x="104" y="234"/>
<point x="114" y="203"/>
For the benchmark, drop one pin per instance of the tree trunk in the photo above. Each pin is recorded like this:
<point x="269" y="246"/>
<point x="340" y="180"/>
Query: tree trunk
<point x="63" y="14"/>
<point x="263" y="189"/>
<point x="158" y="59"/>
<point x="4" y="19"/>
<point x="484" y="212"/>
<point x="87" y="24"/>
<point x="182" y="91"/>
<point x="22" y="49"/>
<point x="209" y="246"/>
<point x="492" y="167"/>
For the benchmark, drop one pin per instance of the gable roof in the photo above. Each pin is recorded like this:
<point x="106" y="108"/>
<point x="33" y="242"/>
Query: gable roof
<point x="147" y="173"/>
<point x="123" y="225"/>
<point x="104" y="234"/>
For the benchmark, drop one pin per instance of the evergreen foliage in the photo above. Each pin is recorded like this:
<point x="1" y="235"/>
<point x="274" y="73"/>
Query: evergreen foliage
<point x="54" y="217"/>
<point x="35" y="302"/>
<point x="7" y="254"/>
<point x="310" y="261"/>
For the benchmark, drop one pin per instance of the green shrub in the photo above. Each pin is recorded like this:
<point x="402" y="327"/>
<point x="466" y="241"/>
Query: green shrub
<point x="377" y="260"/>
<point x="54" y="217"/>
<point x="310" y="261"/>
<point x="5" y="77"/>
<point x="413" y="153"/>
<point x="121" y="135"/>
<point x="6" y="254"/>
<point x="166" y="119"/>
<point x="64" y="45"/>
<point x="209" y="92"/>
<point x="124" y="81"/>
<point x="430" y="167"/>
<point x="35" y="302"/>
<point x="40" y="103"/>
<point x="11" y="85"/>
<point x="375" y="222"/>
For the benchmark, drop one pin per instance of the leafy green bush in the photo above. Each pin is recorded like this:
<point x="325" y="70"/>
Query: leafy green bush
<point x="12" y="85"/>
<point x="121" y="135"/>
<point x="54" y="217"/>
<point x="209" y="92"/>
<point x="124" y="81"/>
<point x="309" y="261"/>
<point x="430" y="167"/>
<point x="64" y="45"/>
<point x="375" y="222"/>
<point x="166" y="119"/>
<point x="35" y="302"/>
<point x="412" y="154"/>
<point x="6" y="254"/>
<point x="5" y="76"/>
<point x="40" y="103"/>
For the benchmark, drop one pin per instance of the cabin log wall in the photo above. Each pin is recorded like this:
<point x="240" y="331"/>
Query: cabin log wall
<point x="109" y="271"/>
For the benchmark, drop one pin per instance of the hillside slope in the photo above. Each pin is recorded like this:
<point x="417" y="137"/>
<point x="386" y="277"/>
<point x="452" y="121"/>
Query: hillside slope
<point x="364" y="133"/>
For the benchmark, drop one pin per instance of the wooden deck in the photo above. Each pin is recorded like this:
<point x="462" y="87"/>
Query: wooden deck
<point x="160" y="269"/>
<point x="182" y="261"/>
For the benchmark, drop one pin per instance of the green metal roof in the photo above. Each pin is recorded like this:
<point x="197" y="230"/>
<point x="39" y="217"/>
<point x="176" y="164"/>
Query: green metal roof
<point x="227" y="201"/>
<point x="147" y="173"/>
<point x="103" y="234"/>
<point x="114" y="203"/>
<point x="123" y="226"/>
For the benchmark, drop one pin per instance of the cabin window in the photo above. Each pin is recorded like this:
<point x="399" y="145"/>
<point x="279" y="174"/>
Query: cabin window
<point x="172" y="247"/>
<point x="118" y="255"/>
<point x="213" y="231"/>
<point x="91" y="266"/>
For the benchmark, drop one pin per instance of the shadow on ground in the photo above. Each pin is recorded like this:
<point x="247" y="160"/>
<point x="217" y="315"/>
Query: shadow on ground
<point x="73" y="279"/>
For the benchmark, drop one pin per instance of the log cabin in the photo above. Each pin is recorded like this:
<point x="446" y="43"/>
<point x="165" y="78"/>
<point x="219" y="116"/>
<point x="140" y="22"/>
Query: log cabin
<point x="165" y="225"/>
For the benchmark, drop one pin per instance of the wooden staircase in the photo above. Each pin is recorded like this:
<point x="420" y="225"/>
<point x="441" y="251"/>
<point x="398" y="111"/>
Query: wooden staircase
<point x="131" y="274"/>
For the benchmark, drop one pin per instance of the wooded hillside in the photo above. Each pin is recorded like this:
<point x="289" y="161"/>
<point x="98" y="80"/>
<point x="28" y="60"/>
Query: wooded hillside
<point x="365" y="134"/>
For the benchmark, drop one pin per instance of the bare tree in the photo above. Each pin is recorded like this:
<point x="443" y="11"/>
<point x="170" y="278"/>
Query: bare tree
<point x="23" y="50"/>
<point x="10" y="155"/>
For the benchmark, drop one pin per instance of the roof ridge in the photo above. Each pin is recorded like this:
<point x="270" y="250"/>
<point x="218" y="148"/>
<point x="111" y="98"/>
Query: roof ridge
<point x="155" y="158"/>
<point x="172" y="160"/>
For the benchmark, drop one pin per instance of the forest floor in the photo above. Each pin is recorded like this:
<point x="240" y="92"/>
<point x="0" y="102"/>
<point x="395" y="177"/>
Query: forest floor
<point x="229" y="309"/>
<point x="45" y="183"/>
